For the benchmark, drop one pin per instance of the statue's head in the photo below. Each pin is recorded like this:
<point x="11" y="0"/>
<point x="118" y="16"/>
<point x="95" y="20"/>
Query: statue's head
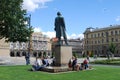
<point x="58" y="13"/>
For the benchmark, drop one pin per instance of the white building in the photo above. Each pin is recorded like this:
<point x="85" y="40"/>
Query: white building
<point x="40" y="46"/>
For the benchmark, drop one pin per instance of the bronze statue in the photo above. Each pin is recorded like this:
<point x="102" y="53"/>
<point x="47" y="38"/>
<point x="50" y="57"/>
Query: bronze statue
<point x="60" y="29"/>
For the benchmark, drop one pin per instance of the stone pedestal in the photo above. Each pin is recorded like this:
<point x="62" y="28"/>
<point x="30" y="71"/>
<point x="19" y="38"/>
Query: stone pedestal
<point x="62" y="55"/>
<point x="54" y="69"/>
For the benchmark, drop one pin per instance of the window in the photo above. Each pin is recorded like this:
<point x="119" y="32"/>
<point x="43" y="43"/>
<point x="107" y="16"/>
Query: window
<point x="95" y="42"/>
<point x="102" y="40"/>
<point x="107" y="34"/>
<point x="116" y="40"/>
<point x="98" y="35"/>
<point x="107" y="40"/>
<point x="102" y="34"/>
<point x="87" y="42"/>
<point x="98" y="41"/>
<point x="111" y="32"/>
<point x="112" y="39"/>
<point x="116" y="32"/>
<point x="95" y="35"/>
<point x="91" y="35"/>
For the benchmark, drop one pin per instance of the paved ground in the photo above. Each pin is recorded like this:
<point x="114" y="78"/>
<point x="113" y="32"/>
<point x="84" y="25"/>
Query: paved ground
<point x="7" y="60"/>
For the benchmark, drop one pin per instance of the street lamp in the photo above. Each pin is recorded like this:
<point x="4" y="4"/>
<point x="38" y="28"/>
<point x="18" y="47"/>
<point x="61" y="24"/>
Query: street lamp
<point x="27" y="56"/>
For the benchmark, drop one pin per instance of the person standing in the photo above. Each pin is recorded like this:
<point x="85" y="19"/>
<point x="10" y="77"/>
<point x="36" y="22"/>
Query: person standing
<point x="60" y="29"/>
<point x="27" y="58"/>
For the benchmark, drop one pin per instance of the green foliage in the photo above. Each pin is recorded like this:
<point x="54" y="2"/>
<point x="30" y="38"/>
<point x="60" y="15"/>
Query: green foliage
<point x="91" y="55"/>
<point x="112" y="47"/>
<point x="110" y="62"/>
<point x="75" y="54"/>
<point x="53" y="54"/>
<point x="44" y="54"/>
<point x="12" y="21"/>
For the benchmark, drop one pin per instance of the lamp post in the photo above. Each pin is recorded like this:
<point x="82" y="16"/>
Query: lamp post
<point x="27" y="56"/>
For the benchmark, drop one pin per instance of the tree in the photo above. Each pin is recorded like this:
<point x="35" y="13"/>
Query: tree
<point x="12" y="21"/>
<point x="112" y="48"/>
<point x="75" y="54"/>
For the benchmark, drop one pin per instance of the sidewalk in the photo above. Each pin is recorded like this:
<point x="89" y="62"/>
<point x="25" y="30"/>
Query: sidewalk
<point x="80" y="60"/>
<point x="7" y="60"/>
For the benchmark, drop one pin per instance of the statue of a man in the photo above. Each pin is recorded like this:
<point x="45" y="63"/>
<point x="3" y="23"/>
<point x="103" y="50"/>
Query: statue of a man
<point x="60" y="28"/>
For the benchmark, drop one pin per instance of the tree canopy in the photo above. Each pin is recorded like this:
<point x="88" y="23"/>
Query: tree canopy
<point x="112" y="47"/>
<point x="12" y="21"/>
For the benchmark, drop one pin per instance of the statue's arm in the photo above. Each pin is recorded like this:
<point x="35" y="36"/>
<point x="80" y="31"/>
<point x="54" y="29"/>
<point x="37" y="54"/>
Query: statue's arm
<point x="55" y="24"/>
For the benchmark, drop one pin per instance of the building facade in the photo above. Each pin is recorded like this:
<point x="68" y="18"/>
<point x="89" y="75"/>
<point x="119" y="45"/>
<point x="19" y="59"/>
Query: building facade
<point x="4" y="48"/>
<point x="40" y="46"/>
<point x="97" y="41"/>
<point x="77" y="45"/>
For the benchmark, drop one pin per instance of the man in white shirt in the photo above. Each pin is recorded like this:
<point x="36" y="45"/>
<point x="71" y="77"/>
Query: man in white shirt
<point x="37" y="64"/>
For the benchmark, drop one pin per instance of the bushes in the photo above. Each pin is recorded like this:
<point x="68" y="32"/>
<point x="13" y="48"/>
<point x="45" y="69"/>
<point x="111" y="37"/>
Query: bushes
<point x="111" y="62"/>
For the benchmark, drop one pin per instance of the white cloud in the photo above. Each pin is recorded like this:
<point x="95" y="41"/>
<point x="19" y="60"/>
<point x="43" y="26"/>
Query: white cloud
<point x="37" y="29"/>
<point x="51" y="34"/>
<point x="48" y="33"/>
<point x="118" y="18"/>
<point x="81" y="36"/>
<point x="75" y="36"/>
<point x="31" y="5"/>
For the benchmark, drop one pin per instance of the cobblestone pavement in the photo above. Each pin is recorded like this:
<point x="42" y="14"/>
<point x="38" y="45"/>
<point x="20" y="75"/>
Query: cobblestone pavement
<point x="7" y="60"/>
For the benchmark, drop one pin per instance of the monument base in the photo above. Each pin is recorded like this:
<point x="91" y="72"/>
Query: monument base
<point x="56" y="69"/>
<point x="62" y="55"/>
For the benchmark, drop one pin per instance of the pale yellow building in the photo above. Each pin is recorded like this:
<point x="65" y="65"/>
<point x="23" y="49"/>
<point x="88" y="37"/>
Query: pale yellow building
<point x="97" y="40"/>
<point x="4" y="48"/>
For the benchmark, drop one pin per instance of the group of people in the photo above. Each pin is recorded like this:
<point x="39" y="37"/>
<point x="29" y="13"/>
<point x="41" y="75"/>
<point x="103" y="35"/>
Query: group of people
<point x="40" y="63"/>
<point x="74" y="65"/>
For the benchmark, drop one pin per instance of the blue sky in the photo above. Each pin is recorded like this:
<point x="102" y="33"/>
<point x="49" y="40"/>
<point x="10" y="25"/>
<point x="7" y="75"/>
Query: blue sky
<point x="78" y="14"/>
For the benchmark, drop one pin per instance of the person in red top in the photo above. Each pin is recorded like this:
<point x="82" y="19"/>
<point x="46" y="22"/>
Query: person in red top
<point x="85" y="62"/>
